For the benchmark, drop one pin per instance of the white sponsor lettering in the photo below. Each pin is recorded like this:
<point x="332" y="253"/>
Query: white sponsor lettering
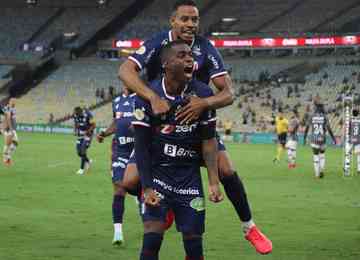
<point x="165" y="186"/>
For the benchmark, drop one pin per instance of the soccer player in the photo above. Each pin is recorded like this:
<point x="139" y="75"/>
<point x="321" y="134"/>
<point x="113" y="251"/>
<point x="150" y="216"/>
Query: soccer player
<point x="291" y="144"/>
<point x="355" y="136"/>
<point x="319" y="126"/>
<point x="11" y="140"/>
<point x="169" y="155"/>
<point x="122" y="146"/>
<point x="208" y="65"/>
<point x="281" y="128"/>
<point x="84" y="126"/>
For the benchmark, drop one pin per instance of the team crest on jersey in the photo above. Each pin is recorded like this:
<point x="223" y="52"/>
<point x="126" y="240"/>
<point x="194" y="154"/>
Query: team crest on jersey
<point x="196" y="50"/>
<point x="198" y="204"/>
<point x="141" y="50"/>
<point x="139" y="114"/>
<point x="127" y="103"/>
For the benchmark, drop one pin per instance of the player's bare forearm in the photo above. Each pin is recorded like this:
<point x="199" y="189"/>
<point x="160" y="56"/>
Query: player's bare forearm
<point x="306" y="133"/>
<point x="110" y="130"/>
<point x="129" y="75"/>
<point x="209" y="153"/>
<point x="225" y="96"/>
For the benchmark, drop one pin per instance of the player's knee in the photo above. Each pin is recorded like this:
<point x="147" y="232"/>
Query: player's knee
<point x="154" y="227"/>
<point x="119" y="189"/>
<point x="151" y="244"/>
<point x="193" y="246"/>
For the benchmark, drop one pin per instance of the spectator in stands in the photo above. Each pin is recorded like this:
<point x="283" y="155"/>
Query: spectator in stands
<point x="51" y="119"/>
<point x="102" y="94"/>
<point x="111" y="92"/>
<point x="97" y="95"/>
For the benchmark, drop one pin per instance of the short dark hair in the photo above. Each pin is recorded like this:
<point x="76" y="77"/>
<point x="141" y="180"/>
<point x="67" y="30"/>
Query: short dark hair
<point x="355" y="112"/>
<point x="166" y="49"/>
<point x="78" y="110"/>
<point x="182" y="3"/>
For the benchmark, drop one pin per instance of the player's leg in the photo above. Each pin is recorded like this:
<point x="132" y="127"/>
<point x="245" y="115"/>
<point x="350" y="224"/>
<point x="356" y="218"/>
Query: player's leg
<point x="153" y="219"/>
<point x="316" y="160"/>
<point x="357" y="153"/>
<point x="81" y="148"/>
<point x="322" y="161"/>
<point x="6" y="148"/>
<point x="291" y="150"/>
<point x="118" y="205"/>
<point x="235" y="191"/>
<point x="193" y="245"/>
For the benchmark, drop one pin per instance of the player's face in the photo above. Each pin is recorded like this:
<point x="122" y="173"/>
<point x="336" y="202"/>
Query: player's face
<point x="181" y="62"/>
<point x="185" y="22"/>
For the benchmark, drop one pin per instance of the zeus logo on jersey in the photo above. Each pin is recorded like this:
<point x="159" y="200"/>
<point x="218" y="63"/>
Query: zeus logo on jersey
<point x="175" y="151"/>
<point x="168" y="129"/>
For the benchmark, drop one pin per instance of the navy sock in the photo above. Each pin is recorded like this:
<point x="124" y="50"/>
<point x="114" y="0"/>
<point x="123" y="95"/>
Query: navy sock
<point x="193" y="248"/>
<point x="118" y="208"/>
<point x="151" y="246"/>
<point x="235" y="191"/>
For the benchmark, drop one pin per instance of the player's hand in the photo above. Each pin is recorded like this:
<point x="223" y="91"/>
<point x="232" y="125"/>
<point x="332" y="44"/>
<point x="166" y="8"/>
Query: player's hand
<point x="151" y="198"/>
<point x="159" y="106"/>
<point x="192" y="110"/>
<point x="100" y="138"/>
<point x="215" y="194"/>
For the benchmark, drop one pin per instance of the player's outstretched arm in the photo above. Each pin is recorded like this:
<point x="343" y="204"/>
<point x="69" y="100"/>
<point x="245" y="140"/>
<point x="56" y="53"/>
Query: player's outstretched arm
<point x="129" y="74"/>
<point x="107" y="132"/>
<point x="209" y="152"/>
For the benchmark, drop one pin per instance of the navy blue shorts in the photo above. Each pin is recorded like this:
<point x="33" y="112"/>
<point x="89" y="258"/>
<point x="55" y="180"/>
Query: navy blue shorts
<point x="118" y="167"/>
<point x="82" y="144"/>
<point x="183" y="194"/>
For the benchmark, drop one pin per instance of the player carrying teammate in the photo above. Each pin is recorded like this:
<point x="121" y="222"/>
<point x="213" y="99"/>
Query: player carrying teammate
<point x="293" y="139"/>
<point x="84" y="126"/>
<point x="281" y="128"/>
<point x="208" y="66"/>
<point x="319" y="124"/>
<point x="169" y="154"/>
<point x="355" y="136"/>
<point x="9" y="130"/>
<point x="122" y="146"/>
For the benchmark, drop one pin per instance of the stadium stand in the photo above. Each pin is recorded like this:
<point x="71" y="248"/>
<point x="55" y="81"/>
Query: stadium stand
<point x="71" y="85"/>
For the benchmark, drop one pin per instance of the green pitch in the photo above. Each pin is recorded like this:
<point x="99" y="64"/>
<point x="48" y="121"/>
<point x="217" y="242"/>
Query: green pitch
<point x="49" y="212"/>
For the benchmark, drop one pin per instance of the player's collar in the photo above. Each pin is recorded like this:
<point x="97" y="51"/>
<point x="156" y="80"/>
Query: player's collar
<point x="169" y="96"/>
<point x="171" y="39"/>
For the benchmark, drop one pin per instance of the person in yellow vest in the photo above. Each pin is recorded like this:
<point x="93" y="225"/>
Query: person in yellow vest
<point x="281" y="128"/>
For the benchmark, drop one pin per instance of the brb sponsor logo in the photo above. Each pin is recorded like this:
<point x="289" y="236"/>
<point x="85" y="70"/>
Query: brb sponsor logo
<point x="176" y="151"/>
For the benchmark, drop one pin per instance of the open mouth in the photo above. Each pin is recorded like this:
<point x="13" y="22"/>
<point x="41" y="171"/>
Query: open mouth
<point x="188" y="69"/>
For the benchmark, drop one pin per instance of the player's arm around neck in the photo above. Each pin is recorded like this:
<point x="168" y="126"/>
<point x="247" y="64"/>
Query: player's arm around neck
<point x="225" y="96"/>
<point x="129" y="74"/>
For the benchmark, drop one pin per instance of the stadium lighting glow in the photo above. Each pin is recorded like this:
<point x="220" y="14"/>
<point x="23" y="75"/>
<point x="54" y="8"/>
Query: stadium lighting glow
<point x="224" y="33"/>
<point x="228" y="19"/>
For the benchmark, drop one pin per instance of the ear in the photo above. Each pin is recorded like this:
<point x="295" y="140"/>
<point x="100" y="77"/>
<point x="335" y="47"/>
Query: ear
<point x="172" y="19"/>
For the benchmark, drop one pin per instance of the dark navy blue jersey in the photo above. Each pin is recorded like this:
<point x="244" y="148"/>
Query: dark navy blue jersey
<point x="123" y="107"/>
<point x="208" y="61"/>
<point x="83" y="123"/>
<point x="174" y="144"/>
<point x="355" y="130"/>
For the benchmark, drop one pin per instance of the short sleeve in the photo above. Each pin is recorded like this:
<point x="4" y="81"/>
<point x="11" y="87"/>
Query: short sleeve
<point x="143" y="56"/>
<point x="142" y="113"/>
<point x="215" y="61"/>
